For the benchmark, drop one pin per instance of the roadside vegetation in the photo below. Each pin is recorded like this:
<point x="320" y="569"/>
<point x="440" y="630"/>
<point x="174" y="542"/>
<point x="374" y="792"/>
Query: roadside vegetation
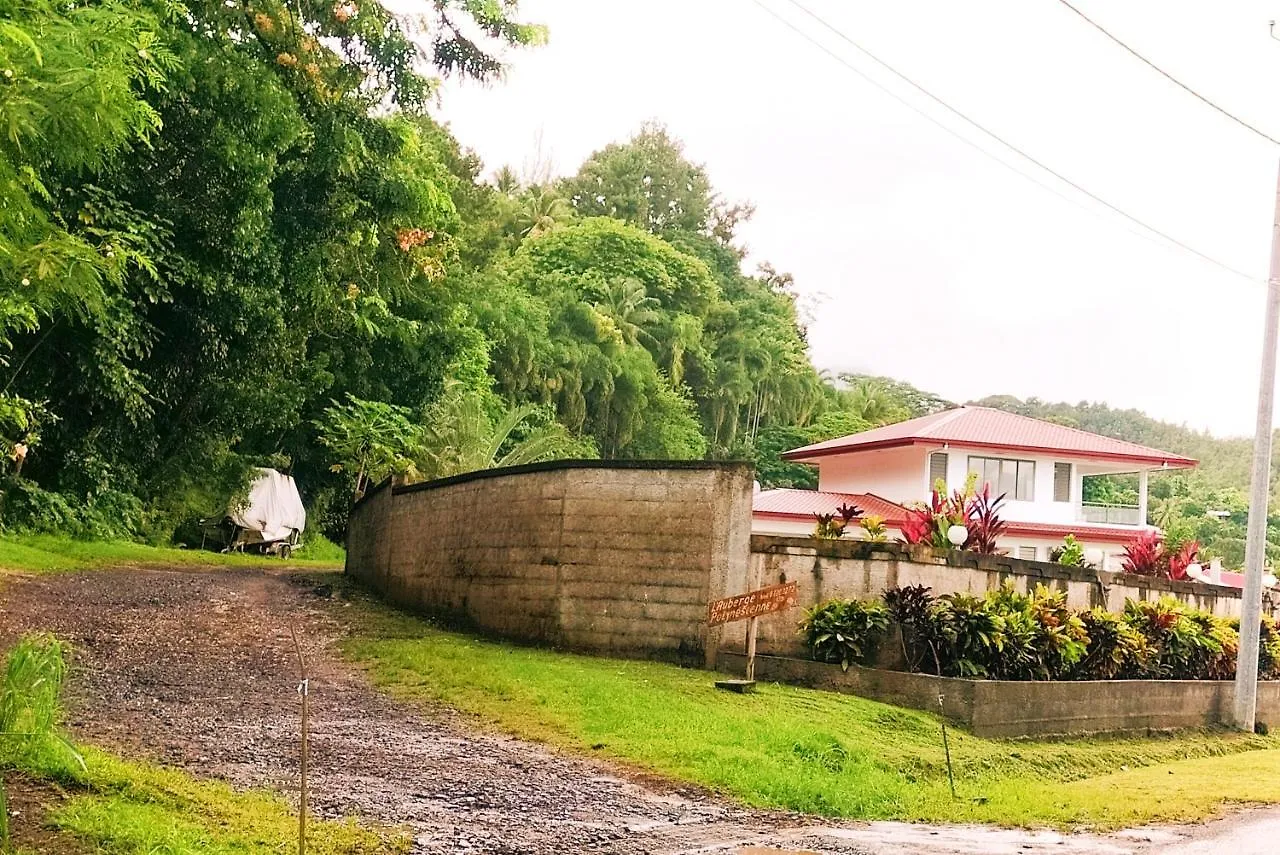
<point x="1007" y="635"/>
<point x="116" y="806"/>
<point x="806" y="750"/>
<point x="47" y="553"/>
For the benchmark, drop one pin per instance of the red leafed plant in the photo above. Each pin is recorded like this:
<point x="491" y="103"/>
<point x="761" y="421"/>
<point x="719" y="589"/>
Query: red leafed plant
<point x="1183" y="558"/>
<point x="918" y="526"/>
<point x="832" y="526"/>
<point x="985" y="525"/>
<point x="1145" y="555"/>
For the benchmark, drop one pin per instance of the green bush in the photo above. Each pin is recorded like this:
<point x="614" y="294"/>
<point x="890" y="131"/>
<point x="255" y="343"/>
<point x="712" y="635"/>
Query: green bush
<point x="844" y="631"/>
<point x="108" y="515"/>
<point x="1115" y="650"/>
<point x="1008" y="635"/>
<point x="1186" y="644"/>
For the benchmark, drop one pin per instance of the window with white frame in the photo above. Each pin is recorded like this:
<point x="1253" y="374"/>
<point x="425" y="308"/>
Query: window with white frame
<point x="1016" y="479"/>
<point x="1027" y="553"/>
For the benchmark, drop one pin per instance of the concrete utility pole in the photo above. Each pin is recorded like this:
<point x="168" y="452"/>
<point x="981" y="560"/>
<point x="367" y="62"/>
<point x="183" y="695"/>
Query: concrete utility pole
<point x="1255" y="554"/>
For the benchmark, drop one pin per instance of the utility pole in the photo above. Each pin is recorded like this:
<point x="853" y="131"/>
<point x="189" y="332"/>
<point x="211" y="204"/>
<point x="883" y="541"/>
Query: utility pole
<point x="1255" y="554"/>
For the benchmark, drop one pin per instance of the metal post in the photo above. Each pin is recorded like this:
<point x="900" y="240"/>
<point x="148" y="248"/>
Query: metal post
<point x="1246" y="689"/>
<point x="753" y="626"/>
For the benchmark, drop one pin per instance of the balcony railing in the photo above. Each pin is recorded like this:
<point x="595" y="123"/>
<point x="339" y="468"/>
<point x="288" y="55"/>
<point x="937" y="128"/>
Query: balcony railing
<point x="1096" y="512"/>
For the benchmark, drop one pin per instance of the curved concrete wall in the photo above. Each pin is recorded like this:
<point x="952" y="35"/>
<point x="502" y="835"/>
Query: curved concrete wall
<point x="616" y="557"/>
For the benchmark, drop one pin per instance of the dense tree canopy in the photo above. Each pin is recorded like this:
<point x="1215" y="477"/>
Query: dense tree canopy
<point x="233" y="235"/>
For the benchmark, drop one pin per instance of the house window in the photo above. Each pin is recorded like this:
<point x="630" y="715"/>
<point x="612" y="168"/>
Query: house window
<point x="937" y="468"/>
<point x="1016" y="479"/>
<point x="1027" y="553"/>
<point x="1062" y="482"/>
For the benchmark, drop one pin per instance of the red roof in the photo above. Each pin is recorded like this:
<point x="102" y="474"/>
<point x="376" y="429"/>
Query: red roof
<point x="803" y="504"/>
<point x="982" y="427"/>
<point x="806" y="503"/>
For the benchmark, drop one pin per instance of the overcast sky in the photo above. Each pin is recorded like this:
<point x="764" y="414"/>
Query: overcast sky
<point x="927" y="260"/>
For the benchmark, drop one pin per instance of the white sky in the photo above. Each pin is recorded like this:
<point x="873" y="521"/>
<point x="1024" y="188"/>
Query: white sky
<point x="931" y="262"/>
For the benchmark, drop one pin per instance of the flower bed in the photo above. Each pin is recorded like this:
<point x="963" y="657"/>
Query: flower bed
<point x="1007" y="635"/>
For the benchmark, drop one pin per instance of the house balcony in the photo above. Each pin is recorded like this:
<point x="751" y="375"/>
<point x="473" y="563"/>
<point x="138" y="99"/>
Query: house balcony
<point x="1105" y="514"/>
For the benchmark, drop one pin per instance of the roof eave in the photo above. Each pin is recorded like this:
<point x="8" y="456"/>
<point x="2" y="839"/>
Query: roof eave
<point x="1174" y="461"/>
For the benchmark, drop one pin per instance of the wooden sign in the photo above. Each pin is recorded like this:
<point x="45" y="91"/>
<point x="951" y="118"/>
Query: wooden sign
<point x="776" y="598"/>
<point x="749" y="607"/>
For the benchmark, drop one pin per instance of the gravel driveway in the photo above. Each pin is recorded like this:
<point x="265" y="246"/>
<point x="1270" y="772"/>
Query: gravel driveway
<point x="196" y="669"/>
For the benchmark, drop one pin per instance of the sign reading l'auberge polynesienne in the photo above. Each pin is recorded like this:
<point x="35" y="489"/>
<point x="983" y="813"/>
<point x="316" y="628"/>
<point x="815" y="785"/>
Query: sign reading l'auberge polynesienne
<point x="775" y="598"/>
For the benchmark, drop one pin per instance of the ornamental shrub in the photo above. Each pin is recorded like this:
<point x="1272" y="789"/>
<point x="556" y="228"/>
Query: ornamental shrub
<point x="1116" y="649"/>
<point x="844" y="631"/>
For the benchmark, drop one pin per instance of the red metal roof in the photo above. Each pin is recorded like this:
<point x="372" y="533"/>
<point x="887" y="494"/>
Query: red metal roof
<point x="1084" y="531"/>
<point x="806" y="503"/>
<point x="987" y="428"/>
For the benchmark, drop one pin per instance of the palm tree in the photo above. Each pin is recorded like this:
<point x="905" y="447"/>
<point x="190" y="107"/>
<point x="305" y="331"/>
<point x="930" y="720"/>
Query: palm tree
<point x="506" y="181"/>
<point x="871" y="401"/>
<point x="630" y="307"/>
<point x="459" y="436"/>
<point x="541" y="210"/>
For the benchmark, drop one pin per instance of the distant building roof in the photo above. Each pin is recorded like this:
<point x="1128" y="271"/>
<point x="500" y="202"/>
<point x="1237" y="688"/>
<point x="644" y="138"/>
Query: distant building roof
<point x="987" y="428"/>
<point x="806" y="503"/>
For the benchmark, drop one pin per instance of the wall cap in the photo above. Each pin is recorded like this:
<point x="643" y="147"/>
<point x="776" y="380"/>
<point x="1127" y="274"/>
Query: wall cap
<point x="564" y="465"/>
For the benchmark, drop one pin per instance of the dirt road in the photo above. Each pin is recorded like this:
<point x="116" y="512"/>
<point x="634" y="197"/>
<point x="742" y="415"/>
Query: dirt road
<point x="196" y="669"/>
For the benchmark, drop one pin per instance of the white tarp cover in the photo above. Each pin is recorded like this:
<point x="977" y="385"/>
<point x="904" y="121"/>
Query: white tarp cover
<point x="274" y="507"/>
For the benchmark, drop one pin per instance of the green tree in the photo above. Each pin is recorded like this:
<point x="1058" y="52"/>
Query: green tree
<point x="368" y="439"/>
<point x="460" y="435"/>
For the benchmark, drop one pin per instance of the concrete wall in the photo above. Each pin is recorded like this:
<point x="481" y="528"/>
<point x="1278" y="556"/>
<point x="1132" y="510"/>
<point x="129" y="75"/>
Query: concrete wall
<point x="613" y="557"/>
<point x="852" y="569"/>
<point x="995" y="708"/>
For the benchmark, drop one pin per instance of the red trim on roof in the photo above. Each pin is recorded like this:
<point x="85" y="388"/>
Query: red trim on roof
<point x="983" y="427"/>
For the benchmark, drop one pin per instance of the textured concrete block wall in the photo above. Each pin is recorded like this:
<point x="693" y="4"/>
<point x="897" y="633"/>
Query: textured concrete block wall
<point x="1005" y="709"/>
<point x="855" y="569"/>
<point x="619" y="558"/>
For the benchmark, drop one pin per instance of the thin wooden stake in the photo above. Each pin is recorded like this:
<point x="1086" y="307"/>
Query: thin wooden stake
<point x="303" y="690"/>
<point x="752" y="626"/>
<point x="946" y="746"/>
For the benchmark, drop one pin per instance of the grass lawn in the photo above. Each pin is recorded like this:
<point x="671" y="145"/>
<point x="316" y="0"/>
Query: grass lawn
<point x="124" y="808"/>
<point x="108" y="805"/>
<point x="807" y="750"/>
<point x="51" y="553"/>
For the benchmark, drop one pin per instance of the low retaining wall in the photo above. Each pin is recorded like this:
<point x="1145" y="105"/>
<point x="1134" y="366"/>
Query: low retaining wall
<point x="826" y="569"/>
<point x="613" y="557"/>
<point x="997" y="708"/>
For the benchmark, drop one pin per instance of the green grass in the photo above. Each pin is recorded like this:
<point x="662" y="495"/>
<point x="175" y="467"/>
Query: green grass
<point x="124" y="807"/>
<point x="46" y="553"/>
<point x="119" y="807"/>
<point x="807" y="750"/>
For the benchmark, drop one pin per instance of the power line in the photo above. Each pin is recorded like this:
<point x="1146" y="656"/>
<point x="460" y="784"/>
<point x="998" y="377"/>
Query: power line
<point x="1166" y="75"/>
<point x="1152" y="230"/>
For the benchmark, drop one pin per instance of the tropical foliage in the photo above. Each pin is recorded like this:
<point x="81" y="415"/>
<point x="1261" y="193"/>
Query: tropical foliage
<point x="1008" y="635"/>
<point x="234" y="236"/>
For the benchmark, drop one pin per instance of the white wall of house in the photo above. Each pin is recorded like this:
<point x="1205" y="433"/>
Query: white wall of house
<point x="781" y="527"/>
<point x="902" y="475"/>
<point x="1103" y="553"/>
<point x="1041" y="506"/>
<point x="897" y="474"/>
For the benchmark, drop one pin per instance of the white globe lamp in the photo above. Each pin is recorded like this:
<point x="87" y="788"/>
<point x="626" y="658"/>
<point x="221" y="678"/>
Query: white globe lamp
<point x="957" y="534"/>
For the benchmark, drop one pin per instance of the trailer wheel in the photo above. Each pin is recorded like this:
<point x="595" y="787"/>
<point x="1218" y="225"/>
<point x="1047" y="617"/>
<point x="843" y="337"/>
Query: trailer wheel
<point x="286" y="550"/>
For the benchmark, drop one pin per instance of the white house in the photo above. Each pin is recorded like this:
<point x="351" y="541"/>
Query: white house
<point x="1039" y="466"/>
